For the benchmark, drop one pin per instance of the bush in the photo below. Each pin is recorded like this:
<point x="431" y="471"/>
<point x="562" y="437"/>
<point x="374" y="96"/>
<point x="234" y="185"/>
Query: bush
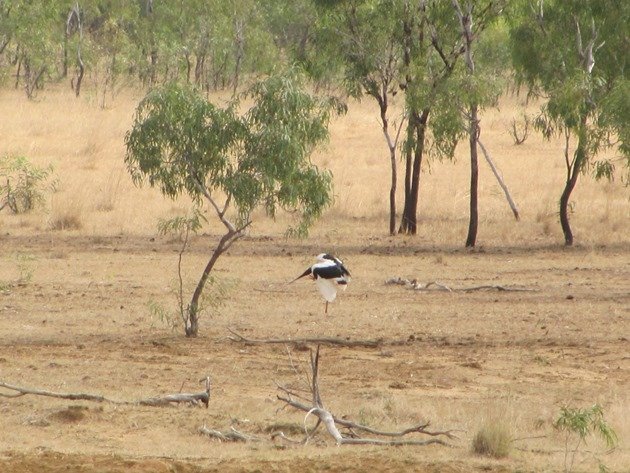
<point x="22" y="184"/>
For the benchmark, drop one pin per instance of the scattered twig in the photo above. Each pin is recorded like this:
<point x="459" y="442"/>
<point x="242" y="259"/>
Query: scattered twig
<point x="282" y="436"/>
<point x="519" y="439"/>
<point x="232" y="435"/>
<point x="237" y="337"/>
<point x="158" y="401"/>
<point x="419" y="286"/>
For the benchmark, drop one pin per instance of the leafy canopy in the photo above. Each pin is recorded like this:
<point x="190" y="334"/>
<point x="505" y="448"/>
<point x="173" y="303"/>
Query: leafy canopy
<point x="183" y="144"/>
<point x="575" y="54"/>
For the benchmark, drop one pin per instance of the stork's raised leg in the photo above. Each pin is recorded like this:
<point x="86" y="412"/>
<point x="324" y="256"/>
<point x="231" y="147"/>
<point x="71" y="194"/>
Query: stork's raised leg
<point x="326" y="311"/>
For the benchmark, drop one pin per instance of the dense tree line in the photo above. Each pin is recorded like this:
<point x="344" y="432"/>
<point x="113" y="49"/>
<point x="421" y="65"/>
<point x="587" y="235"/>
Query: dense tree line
<point x="448" y="60"/>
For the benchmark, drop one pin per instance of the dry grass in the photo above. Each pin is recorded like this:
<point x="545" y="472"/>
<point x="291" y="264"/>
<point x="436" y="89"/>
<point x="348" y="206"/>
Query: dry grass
<point x="493" y="439"/>
<point x="474" y="356"/>
<point x="86" y="147"/>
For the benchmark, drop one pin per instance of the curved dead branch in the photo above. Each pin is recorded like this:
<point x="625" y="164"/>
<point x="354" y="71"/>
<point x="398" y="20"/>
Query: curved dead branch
<point x="331" y="422"/>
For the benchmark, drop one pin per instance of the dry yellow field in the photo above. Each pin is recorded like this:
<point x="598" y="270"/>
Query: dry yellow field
<point x="75" y="318"/>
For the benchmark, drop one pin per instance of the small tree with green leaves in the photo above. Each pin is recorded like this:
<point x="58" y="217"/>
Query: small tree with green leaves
<point x="22" y="184"/>
<point x="183" y="144"/>
<point x="571" y="53"/>
<point x="577" y="424"/>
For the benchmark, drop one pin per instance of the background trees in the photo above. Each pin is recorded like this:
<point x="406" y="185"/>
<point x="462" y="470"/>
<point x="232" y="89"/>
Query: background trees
<point x="403" y="54"/>
<point x="575" y="56"/>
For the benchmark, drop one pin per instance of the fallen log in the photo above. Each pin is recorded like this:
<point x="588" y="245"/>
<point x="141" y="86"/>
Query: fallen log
<point x="158" y="401"/>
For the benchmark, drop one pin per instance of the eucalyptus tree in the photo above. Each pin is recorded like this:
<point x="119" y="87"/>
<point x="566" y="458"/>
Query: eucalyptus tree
<point x="478" y="88"/>
<point x="432" y="47"/>
<point x="32" y="34"/>
<point x="183" y="144"/>
<point x="574" y="54"/>
<point x="291" y="25"/>
<point x="365" y="36"/>
<point x="227" y="40"/>
<point x="387" y="47"/>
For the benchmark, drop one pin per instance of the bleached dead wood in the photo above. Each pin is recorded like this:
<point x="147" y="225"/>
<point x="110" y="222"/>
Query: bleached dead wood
<point x="158" y="401"/>
<point x="331" y="423"/>
<point x="500" y="180"/>
<point x="237" y="337"/>
<point x="435" y="286"/>
<point x="231" y="435"/>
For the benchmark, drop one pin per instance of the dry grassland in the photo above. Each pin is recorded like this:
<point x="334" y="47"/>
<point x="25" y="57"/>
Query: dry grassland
<point x="74" y="311"/>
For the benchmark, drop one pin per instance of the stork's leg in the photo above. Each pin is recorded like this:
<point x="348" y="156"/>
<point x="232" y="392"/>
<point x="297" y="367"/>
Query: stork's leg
<point x="326" y="311"/>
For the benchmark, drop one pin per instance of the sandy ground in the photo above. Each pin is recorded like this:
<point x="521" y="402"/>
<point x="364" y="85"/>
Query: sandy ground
<point x="75" y="311"/>
<point x="78" y="322"/>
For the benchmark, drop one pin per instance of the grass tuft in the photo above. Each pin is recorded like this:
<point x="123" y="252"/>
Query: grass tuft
<point x="66" y="219"/>
<point x="492" y="440"/>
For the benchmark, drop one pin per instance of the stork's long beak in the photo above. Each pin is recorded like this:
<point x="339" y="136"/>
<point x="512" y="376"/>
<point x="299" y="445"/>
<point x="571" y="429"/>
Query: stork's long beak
<point x="305" y="273"/>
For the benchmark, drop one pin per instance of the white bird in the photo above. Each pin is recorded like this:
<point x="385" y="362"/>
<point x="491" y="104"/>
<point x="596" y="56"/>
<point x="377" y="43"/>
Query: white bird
<point x="328" y="273"/>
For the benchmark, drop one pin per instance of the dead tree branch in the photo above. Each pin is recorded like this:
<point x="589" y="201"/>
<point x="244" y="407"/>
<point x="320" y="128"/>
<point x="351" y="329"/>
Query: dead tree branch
<point x="232" y="435"/>
<point x="158" y="401"/>
<point x="500" y="180"/>
<point x="238" y="338"/>
<point x="331" y="422"/>
<point x="419" y="286"/>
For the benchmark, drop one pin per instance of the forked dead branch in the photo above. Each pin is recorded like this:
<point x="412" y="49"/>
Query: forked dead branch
<point x="200" y="398"/>
<point x="353" y="429"/>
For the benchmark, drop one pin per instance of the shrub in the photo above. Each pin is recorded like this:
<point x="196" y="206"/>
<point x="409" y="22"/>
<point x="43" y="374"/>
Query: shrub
<point x="22" y="184"/>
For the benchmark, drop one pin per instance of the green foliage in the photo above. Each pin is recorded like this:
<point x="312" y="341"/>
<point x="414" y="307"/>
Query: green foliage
<point x="24" y="263"/>
<point x="22" y="184"/>
<point x="550" y="48"/>
<point x="570" y="53"/>
<point x="36" y="33"/>
<point x="210" y="42"/>
<point x="181" y="226"/>
<point x="176" y="317"/>
<point x="182" y="143"/>
<point x="580" y="423"/>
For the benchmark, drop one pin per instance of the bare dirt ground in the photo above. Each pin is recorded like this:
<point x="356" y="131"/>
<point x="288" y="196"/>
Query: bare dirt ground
<point x="456" y="359"/>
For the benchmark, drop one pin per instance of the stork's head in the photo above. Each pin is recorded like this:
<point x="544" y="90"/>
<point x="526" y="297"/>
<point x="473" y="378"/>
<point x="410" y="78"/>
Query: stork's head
<point x="325" y="257"/>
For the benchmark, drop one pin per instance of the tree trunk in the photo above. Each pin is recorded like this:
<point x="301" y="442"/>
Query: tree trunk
<point x="409" y="222"/>
<point x="392" y="193"/>
<point x="408" y="165"/>
<point x="564" y="208"/>
<point x="573" y="171"/>
<point x="383" y="103"/>
<point x="471" y="239"/>
<point x="192" y="326"/>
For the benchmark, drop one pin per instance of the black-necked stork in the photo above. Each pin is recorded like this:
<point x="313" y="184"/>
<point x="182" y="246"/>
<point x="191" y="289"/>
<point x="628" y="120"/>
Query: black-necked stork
<point x="328" y="273"/>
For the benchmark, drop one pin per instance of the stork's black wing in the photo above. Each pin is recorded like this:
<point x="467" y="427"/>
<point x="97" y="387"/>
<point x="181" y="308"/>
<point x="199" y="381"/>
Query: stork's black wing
<point x="305" y="273"/>
<point x="338" y="262"/>
<point x="327" y="270"/>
